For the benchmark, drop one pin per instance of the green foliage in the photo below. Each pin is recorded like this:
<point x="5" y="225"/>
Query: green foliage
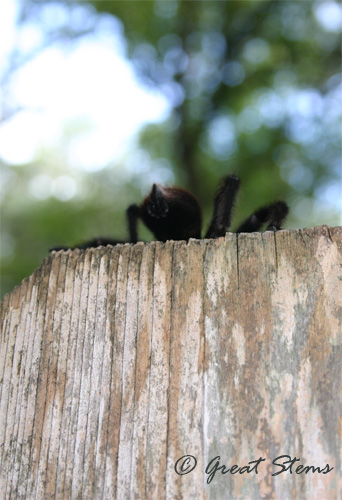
<point x="254" y="88"/>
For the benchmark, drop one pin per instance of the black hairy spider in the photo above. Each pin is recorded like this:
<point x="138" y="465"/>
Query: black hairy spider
<point x="174" y="214"/>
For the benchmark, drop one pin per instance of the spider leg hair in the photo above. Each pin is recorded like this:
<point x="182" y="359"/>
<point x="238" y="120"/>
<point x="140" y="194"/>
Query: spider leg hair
<point x="223" y="207"/>
<point x="132" y="214"/>
<point x="273" y="214"/>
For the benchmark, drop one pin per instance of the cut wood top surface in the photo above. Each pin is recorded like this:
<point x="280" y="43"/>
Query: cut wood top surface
<point x="116" y="362"/>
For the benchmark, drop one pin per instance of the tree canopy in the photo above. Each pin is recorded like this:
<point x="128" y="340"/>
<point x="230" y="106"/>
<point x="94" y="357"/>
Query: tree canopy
<point x="254" y="89"/>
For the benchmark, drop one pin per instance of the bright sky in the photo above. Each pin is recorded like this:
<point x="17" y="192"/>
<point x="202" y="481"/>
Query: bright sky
<point x="91" y="84"/>
<point x="92" y="88"/>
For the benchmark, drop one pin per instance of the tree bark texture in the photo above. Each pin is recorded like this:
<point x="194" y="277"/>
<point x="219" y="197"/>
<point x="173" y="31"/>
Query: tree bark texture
<point x="116" y="362"/>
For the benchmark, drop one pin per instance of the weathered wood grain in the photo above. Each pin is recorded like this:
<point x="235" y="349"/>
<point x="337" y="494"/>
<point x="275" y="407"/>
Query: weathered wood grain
<point x="116" y="362"/>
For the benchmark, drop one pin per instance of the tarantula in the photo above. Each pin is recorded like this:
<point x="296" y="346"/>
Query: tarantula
<point x="174" y="214"/>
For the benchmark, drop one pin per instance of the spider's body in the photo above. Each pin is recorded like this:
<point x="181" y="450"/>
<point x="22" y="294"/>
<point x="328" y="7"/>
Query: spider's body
<point x="169" y="213"/>
<point x="174" y="214"/>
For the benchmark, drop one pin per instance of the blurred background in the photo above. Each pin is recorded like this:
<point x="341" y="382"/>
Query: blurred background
<point x="100" y="99"/>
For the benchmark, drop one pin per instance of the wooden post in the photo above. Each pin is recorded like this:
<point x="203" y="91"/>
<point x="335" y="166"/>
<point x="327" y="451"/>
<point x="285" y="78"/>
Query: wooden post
<point x="117" y="362"/>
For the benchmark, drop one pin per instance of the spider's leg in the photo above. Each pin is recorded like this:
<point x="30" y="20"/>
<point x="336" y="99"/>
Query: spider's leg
<point x="223" y="207"/>
<point x="132" y="213"/>
<point x="254" y="221"/>
<point x="57" y="249"/>
<point x="96" y="242"/>
<point x="273" y="214"/>
<point x="156" y="204"/>
<point x="99" y="242"/>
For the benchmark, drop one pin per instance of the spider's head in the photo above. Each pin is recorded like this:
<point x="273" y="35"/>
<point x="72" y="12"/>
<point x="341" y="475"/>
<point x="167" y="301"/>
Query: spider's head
<point x="171" y="213"/>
